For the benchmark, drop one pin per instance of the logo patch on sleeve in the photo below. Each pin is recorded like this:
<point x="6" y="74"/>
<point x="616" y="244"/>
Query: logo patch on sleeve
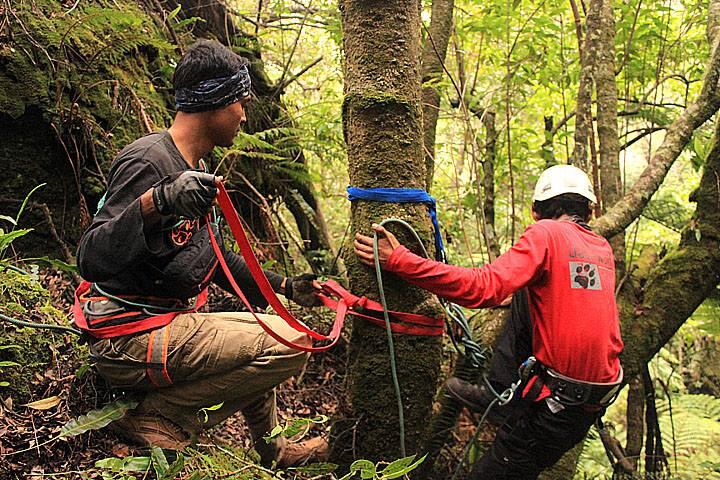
<point x="584" y="275"/>
<point x="182" y="233"/>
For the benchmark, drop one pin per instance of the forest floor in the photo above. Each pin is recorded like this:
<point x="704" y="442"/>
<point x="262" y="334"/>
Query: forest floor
<point x="30" y="447"/>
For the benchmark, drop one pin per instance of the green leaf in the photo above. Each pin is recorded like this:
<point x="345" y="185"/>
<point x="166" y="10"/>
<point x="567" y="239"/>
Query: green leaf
<point x="127" y="464"/>
<point x="4" y="384"/>
<point x="215" y="407"/>
<point x="174" y="13"/>
<point x="159" y="462"/>
<point x="294" y="427"/>
<point x="174" y="469"/>
<point x="97" y="419"/>
<point x="365" y="467"/>
<point x="8" y="219"/>
<point x="202" y="413"/>
<point x="27" y="197"/>
<point x="274" y="433"/>
<point x="8" y="347"/>
<point x="400" y="467"/>
<point x="8" y="363"/>
<point x="7" y="238"/>
<point x="187" y="21"/>
<point x="82" y="370"/>
<point x="55" y="263"/>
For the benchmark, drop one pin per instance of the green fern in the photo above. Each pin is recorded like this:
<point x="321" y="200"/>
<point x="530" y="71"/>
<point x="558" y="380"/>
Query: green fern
<point x="691" y="437"/>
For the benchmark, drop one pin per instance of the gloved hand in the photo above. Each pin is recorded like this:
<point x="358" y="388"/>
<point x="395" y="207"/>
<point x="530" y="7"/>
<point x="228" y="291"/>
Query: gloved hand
<point x="187" y="194"/>
<point x="301" y="289"/>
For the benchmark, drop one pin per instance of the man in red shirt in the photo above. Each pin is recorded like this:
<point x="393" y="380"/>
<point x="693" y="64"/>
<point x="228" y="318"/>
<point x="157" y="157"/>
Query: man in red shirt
<point x="568" y="273"/>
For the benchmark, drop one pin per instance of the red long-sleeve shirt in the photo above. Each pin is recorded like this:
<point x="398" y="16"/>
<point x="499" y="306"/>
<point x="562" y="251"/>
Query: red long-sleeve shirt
<point x="570" y="275"/>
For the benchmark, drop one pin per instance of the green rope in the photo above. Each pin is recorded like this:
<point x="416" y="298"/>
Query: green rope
<point x="144" y="306"/>
<point x="44" y="326"/>
<point x="388" y="329"/>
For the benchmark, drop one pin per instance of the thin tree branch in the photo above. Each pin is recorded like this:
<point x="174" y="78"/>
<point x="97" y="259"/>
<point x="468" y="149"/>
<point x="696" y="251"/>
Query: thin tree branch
<point x="295" y="76"/>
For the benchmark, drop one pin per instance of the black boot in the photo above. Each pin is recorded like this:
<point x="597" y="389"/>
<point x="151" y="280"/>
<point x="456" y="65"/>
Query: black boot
<point x="477" y="398"/>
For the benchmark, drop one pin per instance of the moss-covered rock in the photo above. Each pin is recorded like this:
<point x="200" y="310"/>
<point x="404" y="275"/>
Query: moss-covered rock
<point x="75" y="87"/>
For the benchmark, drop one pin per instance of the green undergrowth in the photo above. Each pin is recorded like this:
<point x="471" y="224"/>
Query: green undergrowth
<point x="24" y="351"/>
<point x="689" y="422"/>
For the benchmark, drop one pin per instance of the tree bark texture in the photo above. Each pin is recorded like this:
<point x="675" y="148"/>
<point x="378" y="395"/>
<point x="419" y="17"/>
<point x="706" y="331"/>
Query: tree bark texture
<point x="433" y="57"/>
<point x="546" y="150"/>
<point x="607" y="100"/>
<point x="565" y="468"/>
<point x="635" y="423"/>
<point x="488" y="166"/>
<point x="607" y="129"/>
<point x="583" y="119"/>
<point x="382" y="120"/>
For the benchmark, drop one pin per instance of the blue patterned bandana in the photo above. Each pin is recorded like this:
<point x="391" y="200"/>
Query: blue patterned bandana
<point x="213" y="93"/>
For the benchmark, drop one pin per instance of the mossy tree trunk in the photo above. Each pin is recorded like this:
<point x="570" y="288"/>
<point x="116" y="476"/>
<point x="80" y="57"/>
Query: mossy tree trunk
<point x="382" y="119"/>
<point x="607" y="127"/>
<point x="683" y="279"/>
<point x="68" y="104"/>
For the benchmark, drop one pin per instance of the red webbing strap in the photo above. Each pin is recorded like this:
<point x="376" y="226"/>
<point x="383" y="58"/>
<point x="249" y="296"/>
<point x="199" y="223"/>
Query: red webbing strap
<point x="333" y="296"/>
<point x="417" y="324"/>
<point x="156" y="359"/>
<point x="149" y="323"/>
<point x="413" y="324"/>
<point x="264" y="285"/>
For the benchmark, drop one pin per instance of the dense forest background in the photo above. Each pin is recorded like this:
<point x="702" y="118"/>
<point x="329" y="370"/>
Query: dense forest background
<point x="469" y="100"/>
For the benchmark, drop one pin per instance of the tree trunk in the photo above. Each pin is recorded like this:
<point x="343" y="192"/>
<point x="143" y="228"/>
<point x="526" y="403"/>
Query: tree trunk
<point x="565" y="468"/>
<point x="583" y="118"/>
<point x="382" y="118"/>
<point x="625" y="211"/>
<point x="488" y="202"/>
<point x="433" y="57"/>
<point x="547" y="151"/>
<point x="682" y="280"/>
<point x="635" y="423"/>
<point x="609" y="143"/>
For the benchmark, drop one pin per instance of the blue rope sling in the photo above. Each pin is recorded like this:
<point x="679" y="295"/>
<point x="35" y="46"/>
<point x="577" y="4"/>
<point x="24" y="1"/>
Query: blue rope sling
<point x="403" y="195"/>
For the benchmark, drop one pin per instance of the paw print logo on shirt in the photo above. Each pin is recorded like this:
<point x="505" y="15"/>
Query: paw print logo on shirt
<point x="585" y="276"/>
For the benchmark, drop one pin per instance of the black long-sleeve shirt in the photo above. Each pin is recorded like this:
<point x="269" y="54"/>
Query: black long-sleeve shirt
<point x="124" y="256"/>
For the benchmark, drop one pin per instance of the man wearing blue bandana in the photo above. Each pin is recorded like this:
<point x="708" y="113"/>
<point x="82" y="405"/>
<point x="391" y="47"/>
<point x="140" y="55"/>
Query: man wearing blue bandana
<point x="148" y="253"/>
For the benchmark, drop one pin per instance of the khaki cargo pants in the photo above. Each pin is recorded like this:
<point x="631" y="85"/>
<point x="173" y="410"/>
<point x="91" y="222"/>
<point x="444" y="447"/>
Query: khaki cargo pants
<point x="211" y="358"/>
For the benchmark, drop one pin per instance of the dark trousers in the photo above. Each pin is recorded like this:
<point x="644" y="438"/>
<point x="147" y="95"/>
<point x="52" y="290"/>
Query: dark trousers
<point x="533" y="438"/>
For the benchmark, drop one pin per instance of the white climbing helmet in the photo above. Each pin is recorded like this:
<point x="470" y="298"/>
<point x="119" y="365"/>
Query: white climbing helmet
<point x="560" y="179"/>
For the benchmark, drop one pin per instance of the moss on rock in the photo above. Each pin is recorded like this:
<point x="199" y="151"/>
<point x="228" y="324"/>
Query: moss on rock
<point x="75" y="88"/>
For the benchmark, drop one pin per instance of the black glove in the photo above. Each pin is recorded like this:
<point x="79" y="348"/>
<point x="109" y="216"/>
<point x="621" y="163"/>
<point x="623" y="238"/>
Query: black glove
<point x="300" y="290"/>
<point x="188" y="194"/>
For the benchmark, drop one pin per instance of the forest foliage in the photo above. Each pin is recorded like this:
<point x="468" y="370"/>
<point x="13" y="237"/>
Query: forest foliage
<point x="98" y="73"/>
